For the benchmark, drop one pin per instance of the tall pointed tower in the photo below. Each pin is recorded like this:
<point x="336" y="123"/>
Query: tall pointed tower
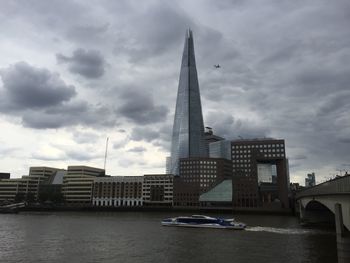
<point x="188" y="130"/>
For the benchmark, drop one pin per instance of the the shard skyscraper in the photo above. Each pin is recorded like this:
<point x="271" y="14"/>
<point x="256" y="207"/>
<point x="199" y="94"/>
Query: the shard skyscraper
<point x="188" y="130"/>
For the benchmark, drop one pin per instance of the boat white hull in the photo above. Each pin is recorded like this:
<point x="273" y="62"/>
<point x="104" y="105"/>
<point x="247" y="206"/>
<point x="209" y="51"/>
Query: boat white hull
<point x="203" y="226"/>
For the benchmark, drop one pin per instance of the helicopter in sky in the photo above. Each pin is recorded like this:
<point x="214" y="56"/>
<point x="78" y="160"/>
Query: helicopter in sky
<point x="217" y="66"/>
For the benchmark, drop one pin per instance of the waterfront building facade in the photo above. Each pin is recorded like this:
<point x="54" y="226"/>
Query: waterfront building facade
<point x="188" y="139"/>
<point x="27" y="187"/>
<point x="117" y="191"/>
<point x="9" y="188"/>
<point x="218" y="196"/>
<point x="198" y="175"/>
<point x="50" y="190"/>
<point x="157" y="190"/>
<point x="260" y="173"/>
<point x="78" y="183"/>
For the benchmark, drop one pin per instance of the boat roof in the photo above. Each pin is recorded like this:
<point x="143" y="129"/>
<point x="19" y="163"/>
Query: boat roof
<point x="201" y="216"/>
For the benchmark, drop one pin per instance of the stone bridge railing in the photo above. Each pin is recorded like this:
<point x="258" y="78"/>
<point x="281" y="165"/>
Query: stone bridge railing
<point x="340" y="185"/>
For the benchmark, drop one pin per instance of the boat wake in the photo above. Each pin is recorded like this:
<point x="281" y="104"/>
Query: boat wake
<point x="288" y="231"/>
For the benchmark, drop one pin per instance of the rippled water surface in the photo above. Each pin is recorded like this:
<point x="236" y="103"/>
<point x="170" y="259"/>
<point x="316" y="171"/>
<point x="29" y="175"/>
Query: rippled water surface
<point x="139" y="237"/>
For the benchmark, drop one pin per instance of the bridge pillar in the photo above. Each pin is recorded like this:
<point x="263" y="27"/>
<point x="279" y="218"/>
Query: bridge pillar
<point x="343" y="236"/>
<point x="301" y="210"/>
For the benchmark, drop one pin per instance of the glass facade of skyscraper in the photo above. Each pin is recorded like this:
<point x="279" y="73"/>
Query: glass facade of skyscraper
<point x="188" y="130"/>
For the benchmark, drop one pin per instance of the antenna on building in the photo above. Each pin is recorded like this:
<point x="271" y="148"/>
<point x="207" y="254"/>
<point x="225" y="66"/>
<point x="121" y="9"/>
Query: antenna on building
<point x="104" y="166"/>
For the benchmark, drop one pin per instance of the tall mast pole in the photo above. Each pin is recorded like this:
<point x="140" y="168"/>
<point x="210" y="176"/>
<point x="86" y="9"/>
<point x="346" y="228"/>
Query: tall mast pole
<point x="104" y="166"/>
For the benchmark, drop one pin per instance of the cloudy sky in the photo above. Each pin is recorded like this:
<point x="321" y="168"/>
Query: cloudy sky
<point x="73" y="73"/>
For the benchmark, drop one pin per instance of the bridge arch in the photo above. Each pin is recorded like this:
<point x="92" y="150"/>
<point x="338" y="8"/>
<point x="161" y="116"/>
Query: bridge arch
<point x="307" y="203"/>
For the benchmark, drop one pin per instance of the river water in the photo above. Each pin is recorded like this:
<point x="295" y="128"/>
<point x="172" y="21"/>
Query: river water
<point x="139" y="237"/>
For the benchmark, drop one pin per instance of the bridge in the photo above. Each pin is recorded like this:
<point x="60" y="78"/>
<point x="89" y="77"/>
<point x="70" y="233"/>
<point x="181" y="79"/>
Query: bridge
<point x="329" y="201"/>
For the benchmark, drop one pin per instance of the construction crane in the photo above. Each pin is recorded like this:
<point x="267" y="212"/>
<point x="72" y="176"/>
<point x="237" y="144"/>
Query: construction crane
<point x="104" y="166"/>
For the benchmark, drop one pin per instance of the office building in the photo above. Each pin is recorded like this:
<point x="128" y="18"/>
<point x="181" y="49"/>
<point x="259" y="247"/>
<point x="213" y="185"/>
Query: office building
<point x="198" y="175"/>
<point x="220" y="149"/>
<point x="117" y="191"/>
<point x="220" y="195"/>
<point x="78" y="183"/>
<point x="188" y="139"/>
<point x="50" y="190"/>
<point x="9" y="188"/>
<point x="168" y="165"/>
<point x="4" y="176"/>
<point x="310" y="180"/>
<point x="210" y="137"/>
<point x="260" y="173"/>
<point x="27" y="187"/>
<point x="157" y="190"/>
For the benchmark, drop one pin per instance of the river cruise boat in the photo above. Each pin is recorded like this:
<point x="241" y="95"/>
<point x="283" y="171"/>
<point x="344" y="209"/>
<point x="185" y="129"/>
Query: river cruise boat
<point x="203" y="221"/>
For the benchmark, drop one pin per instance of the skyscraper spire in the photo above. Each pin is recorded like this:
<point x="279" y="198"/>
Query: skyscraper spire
<point x="188" y="130"/>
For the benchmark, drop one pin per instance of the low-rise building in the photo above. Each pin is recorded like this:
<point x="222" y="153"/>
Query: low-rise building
<point x="9" y="189"/>
<point x="5" y="176"/>
<point x="157" y="190"/>
<point x="50" y="190"/>
<point x="27" y="187"/>
<point x="117" y="191"/>
<point x="78" y="183"/>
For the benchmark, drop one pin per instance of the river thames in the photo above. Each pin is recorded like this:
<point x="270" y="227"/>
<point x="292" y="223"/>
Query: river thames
<point x="139" y="237"/>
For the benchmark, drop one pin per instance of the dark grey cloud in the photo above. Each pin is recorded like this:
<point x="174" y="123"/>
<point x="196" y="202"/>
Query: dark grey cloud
<point x="120" y="143"/>
<point x="83" y="155"/>
<point x="28" y="87"/>
<point x="298" y="157"/>
<point x="42" y="100"/>
<point x="144" y="134"/>
<point x="82" y="137"/>
<point x="79" y="113"/>
<point x="87" y="32"/>
<point x="137" y="149"/>
<point x="286" y="78"/>
<point x="224" y="124"/>
<point x="159" y="136"/>
<point x="88" y="63"/>
<point x="157" y="37"/>
<point x="139" y="107"/>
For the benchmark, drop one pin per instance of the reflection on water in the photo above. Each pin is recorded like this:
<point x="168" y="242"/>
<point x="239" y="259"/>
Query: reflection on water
<point x="139" y="237"/>
<point x="289" y="231"/>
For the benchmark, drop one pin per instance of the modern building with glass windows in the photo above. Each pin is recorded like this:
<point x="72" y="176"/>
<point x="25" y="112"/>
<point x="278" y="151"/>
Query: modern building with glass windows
<point x="260" y="173"/>
<point x="198" y="175"/>
<point x="310" y="180"/>
<point x="220" y="149"/>
<point x="188" y="139"/>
